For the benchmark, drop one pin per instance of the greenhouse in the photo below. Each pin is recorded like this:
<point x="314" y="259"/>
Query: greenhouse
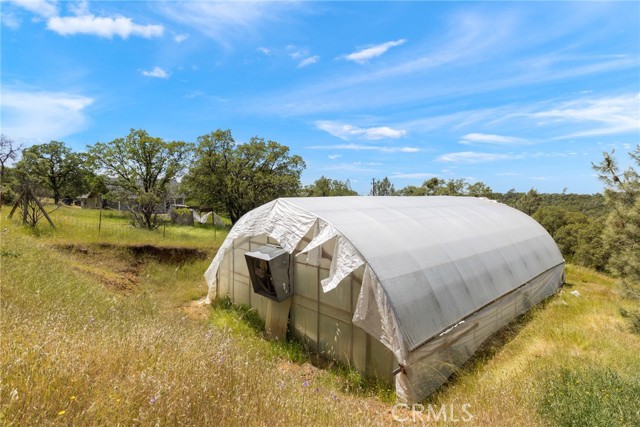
<point x="404" y="289"/>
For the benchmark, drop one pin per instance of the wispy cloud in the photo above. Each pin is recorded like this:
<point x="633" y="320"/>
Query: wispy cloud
<point x="264" y="50"/>
<point x="10" y="20"/>
<point x="473" y="157"/>
<point x="605" y="116"/>
<point x="179" y="38"/>
<point x="334" y="156"/>
<point x="41" y="116"/>
<point x="157" y="72"/>
<point x="226" y="22"/>
<point x="308" y="61"/>
<point x="373" y="51"/>
<point x="346" y="131"/>
<point x="107" y="27"/>
<point x="361" y="147"/>
<point x="483" y="138"/>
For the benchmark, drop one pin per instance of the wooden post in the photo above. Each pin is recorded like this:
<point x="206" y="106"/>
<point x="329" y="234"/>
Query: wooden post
<point x="100" y="220"/>
<point x="15" y="206"/>
<point x="25" y="207"/>
<point x="46" y="215"/>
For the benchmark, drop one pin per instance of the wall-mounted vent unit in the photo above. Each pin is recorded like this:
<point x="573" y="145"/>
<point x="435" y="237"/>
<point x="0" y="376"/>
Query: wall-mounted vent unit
<point x="269" y="271"/>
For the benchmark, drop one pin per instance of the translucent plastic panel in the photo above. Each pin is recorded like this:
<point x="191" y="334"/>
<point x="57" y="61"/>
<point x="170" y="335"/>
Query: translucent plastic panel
<point x="305" y="280"/>
<point x="239" y="263"/>
<point x="339" y="297"/>
<point x="258" y="241"/>
<point x="359" y="352"/>
<point x="223" y="285"/>
<point x="241" y="291"/>
<point x="305" y="322"/>
<point x="335" y="339"/>
<point x="380" y="361"/>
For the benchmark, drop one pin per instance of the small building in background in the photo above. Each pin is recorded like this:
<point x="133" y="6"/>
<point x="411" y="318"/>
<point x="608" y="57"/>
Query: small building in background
<point x="91" y="200"/>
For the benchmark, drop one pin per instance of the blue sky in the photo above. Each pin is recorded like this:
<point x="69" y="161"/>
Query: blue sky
<point x="517" y="95"/>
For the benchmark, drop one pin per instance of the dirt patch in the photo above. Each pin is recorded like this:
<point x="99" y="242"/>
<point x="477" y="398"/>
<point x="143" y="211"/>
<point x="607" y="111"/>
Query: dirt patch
<point x="167" y="254"/>
<point x="197" y="309"/>
<point x="112" y="267"/>
<point x="119" y="266"/>
<point x="162" y="254"/>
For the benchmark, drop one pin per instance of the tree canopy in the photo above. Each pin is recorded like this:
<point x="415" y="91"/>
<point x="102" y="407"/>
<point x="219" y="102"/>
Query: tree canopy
<point x="382" y="187"/>
<point x="237" y="178"/>
<point x="327" y="187"/>
<point x="622" y="229"/>
<point x="55" y="167"/>
<point x="141" y="167"/>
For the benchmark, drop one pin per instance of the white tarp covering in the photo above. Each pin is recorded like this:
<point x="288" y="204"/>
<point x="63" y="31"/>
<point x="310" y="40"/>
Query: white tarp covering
<point x="431" y="264"/>
<point x="202" y="219"/>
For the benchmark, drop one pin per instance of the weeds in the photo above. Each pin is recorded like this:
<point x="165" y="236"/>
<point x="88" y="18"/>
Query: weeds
<point x="591" y="397"/>
<point x="633" y="317"/>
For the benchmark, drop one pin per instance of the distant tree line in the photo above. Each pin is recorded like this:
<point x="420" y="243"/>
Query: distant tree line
<point x="601" y="231"/>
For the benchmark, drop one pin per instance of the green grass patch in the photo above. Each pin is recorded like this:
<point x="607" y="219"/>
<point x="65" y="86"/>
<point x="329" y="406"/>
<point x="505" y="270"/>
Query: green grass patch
<point x="591" y="397"/>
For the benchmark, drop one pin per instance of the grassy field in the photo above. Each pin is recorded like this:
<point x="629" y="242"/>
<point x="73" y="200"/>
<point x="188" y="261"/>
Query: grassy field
<point x="105" y="329"/>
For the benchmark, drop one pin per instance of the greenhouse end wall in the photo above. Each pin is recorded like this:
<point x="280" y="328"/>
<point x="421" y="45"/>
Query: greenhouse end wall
<point x="322" y="320"/>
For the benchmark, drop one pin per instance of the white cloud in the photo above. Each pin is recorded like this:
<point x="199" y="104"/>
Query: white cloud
<point x="156" y="72"/>
<point x="43" y="8"/>
<point x="483" y="138"/>
<point x="360" y="147"/>
<point x="472" y="157"/>
<point x="102" y="26"/>
<point x="346" y="131"/>
<point x="296" y="53"/>
<point x="80" y="8"/>
<point x="264" y="50"/>
<point x="607" y="116"/>
<point x="334" y="156"/>
<point x="308" y="61"/>
<point x="179" y="38"/>
<point x="362" y="56"/>
<point x="41" y="115"/>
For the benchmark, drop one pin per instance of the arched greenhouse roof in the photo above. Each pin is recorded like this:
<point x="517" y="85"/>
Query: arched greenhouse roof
<point x="438" y="259"/>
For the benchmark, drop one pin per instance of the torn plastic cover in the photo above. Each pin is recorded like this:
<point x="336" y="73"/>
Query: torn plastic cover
<point x="288" y="224"/>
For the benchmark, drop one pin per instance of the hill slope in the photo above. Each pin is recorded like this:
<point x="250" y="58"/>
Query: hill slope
<point x="95" y="332"/>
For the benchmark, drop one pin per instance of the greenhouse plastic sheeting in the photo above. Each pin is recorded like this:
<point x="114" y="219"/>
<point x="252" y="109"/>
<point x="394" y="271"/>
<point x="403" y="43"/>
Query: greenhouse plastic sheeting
<point x="431" y="263"/>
